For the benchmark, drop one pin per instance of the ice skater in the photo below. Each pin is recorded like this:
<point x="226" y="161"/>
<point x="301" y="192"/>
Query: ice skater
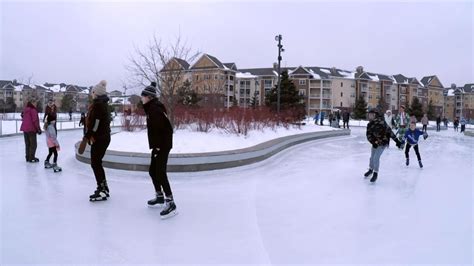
<point x="378" y="134"/>
<point x="412" y="135"/>
<point x="98" y="136"/>
<point x="160" y="141"/>
<point x="52" y="144"/>
<point x="401" y="122"/>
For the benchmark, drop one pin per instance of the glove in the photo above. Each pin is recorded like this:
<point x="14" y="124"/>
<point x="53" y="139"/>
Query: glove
<point x="91" y="141"/>
<point x="399" y="144"/>
<point x="58" y="148"/>
<point x="375" y="146"/>
<point x="39" y="132"/>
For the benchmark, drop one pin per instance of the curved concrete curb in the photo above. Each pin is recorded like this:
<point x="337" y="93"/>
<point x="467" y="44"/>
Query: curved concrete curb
<point x="192" y="162"/>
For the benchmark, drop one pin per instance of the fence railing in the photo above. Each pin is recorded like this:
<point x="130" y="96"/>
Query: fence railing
<point x="12" y="126"/>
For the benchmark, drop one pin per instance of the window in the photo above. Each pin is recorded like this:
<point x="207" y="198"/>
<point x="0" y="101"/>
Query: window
<point x="231" y="88"/>
<point x="242" y="91"/>
<point x="342" y="84"/>
<point x="268" y="83"/>
<point x="231" y="77"/>
<point x="302" y="92"/>
<point x="247" y="91"/>
<point x="302" y="81"/>
<point x="341" y="104"/>
<point x="216" y="77"/>
<point x="341" y="93"/>
<point x="197" y="77"/>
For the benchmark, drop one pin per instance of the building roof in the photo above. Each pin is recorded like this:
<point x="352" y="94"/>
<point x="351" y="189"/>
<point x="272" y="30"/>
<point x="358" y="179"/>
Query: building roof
<point x="401" y="79"/>
<point x="231" y="66"/>
<point x="182" y="62"/>
<point x="215" y="60"/>
<point x="425" y="81"/>
<point x="4" y="83"/>
<point x="469" y="88"/>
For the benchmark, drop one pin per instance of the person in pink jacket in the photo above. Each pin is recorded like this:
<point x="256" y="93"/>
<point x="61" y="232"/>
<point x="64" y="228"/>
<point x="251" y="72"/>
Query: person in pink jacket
<point x="30" y="127"/>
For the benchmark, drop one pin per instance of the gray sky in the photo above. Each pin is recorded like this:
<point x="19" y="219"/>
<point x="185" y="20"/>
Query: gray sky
<point x="82" y="43"/>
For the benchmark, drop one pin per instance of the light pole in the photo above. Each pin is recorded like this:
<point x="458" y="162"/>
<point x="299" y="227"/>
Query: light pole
<point x="280" y="50"/>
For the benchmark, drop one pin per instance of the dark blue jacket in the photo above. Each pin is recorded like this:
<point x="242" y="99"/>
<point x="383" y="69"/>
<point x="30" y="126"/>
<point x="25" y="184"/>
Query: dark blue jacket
<point x="412" y="136"/>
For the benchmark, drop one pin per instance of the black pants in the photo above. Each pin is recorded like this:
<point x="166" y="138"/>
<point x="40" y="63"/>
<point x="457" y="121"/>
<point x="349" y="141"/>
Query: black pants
<point x="98" y="150"/>
<point x="415" y="147"/>
<point x="463" y="127"/>
<point x="438" y="127"/>
<point x="425" y="127"/>
<point x="157" y="171"/>
<point x="30" y="145"/>
<point x="52" y="151"/>
<point x="344" y="123"/>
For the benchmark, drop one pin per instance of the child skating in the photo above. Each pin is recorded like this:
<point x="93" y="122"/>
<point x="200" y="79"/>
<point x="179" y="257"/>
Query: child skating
<point x="53" y="145"/>
<point x="411" y="136"/>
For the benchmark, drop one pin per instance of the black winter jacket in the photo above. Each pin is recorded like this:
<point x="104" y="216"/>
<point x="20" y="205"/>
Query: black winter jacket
<point x="378" y="133"/>
<point x="98" y="118"/>
<point x="160" y="131"/>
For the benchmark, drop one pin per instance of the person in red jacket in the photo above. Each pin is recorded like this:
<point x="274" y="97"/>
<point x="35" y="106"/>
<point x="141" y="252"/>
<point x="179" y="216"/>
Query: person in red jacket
<point x="30" y="127"/>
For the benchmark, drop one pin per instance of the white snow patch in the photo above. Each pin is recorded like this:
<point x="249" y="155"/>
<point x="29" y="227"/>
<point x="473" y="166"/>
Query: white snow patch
<point x="187" y="141"/>
<point x="246" y="75"/>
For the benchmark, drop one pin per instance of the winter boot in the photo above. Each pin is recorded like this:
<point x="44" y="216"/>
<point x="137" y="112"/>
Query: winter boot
<point x="374" y="177"/>
<point x="34" y="160"/>
<point x="157" y="201"/>
<point x="408" y="162"/>
<point x="169" y="210"/>
<point x="47" y="165"/>
<point x="421" y="165"/>
<point x="368" y="173"/>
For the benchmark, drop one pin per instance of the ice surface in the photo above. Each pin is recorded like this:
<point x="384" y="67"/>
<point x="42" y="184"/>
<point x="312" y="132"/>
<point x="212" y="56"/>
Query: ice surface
<point x="307" y="204"/>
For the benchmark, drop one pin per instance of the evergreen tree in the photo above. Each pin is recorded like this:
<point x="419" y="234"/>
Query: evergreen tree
<point x="187" y="96"/>
<point x="431" y="111"/>
<point x="253" y="101"/>
<point x="289" y="97"/>
<point x="360" y="109"/>
<point x="67" y="103"/>
<point x="416" y="108"/>
<point x="383" y="105"/>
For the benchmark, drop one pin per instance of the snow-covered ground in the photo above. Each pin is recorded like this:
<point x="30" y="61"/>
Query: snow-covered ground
<point x="188" y="141"/>
<point x="307" y="204"/>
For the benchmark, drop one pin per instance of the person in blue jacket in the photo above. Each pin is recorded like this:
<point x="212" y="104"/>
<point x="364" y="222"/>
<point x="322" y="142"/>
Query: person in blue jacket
<point x="411" y="136"/>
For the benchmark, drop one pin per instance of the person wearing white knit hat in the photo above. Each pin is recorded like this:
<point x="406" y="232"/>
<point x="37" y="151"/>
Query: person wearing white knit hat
<point x="98" y="136"/>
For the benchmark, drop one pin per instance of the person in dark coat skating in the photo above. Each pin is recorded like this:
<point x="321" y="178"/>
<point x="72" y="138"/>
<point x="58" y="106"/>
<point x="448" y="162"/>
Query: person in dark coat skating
<point x="160" y="140"/>
<point x="98" y="136"/>
<point x="378" y="134"/>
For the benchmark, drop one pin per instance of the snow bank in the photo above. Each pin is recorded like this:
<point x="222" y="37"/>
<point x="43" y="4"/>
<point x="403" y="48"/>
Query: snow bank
<point x="187" y="141"/>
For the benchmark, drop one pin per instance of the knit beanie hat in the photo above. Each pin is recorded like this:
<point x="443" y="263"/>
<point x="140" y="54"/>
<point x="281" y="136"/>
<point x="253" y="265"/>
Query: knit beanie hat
<point x="100" y="89"/>
<point x="150" y="90"/>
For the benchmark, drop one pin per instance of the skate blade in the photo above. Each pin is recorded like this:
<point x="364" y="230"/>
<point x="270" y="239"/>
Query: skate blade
<point x="156" y="206"/>
<point x="169" y="215"/>
<point x="98" y="199"/>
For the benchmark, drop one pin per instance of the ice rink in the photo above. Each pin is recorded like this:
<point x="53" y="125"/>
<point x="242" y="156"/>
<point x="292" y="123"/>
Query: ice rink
<point x="308" y="204"/>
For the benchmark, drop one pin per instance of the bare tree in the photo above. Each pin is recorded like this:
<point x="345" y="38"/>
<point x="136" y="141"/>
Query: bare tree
<point x="161" y="63"/>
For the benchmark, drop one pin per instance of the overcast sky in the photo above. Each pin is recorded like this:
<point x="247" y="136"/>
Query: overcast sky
<point x="84" y="42"/>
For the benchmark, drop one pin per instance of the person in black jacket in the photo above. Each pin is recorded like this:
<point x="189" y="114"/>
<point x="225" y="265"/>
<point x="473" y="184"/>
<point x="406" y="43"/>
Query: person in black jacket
<point x="160" y="140"/>
<point x="378" y="134"/>
<point x="98" y="136"/>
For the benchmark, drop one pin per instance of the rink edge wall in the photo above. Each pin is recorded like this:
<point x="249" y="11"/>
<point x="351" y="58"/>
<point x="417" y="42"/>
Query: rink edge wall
<point x="193" y="162"/>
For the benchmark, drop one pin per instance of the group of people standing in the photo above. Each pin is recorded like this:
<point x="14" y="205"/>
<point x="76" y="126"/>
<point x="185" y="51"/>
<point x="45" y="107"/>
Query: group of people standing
<point x="334" y="118"/>
<point x="97" y="133"/>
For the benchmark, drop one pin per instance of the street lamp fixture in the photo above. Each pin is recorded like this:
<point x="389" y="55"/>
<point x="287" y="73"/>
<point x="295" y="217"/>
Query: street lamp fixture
<point x="278" y="38"/>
